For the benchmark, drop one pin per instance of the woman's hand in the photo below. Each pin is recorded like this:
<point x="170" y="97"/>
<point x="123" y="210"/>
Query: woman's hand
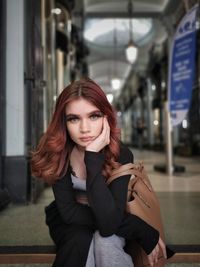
<point x="153" y="256"/>
<point x="102" y="140"/>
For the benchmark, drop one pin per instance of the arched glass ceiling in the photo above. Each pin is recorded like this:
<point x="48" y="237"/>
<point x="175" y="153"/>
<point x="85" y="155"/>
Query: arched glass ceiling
<point x="100" y="31"/>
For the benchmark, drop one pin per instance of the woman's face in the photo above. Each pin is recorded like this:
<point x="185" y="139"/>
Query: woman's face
<point x="84" y="121"/>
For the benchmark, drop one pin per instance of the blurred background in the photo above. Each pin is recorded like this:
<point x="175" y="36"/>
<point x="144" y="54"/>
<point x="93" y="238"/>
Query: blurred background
<point x="125" y="47"/>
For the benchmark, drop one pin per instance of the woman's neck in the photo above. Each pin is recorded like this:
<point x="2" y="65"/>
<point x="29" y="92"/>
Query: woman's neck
<point x="79" y="151"/>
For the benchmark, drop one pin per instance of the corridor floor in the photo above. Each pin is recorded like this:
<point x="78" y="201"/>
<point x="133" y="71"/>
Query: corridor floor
<point x="179" y="197"/>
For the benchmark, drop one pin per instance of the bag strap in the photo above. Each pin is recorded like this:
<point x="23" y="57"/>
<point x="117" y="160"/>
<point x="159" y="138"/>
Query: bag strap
<point x="126" y="169"/>
<point x="122" y="168"/>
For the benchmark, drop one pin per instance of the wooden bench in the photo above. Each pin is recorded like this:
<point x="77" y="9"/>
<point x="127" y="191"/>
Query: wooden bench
<point x="46" y="254"/>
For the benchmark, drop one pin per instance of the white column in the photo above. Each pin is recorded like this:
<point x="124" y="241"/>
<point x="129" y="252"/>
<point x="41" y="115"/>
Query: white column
<point x="169" y="152"/>
<point x="15" y="128"/>
<point x="169" y="128"/>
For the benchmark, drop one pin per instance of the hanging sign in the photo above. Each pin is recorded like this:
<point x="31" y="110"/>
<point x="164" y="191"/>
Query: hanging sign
<point x="182" y="67"/>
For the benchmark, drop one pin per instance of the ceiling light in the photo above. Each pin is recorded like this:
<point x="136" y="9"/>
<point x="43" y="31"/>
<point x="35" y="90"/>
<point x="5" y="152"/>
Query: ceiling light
<point x="155" y="122"/>
<point x="131" y="52"/>
<point x="115" y="83"/>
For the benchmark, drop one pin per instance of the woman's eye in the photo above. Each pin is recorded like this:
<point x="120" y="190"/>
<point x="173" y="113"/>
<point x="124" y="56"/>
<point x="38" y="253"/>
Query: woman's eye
<point x="94" y="117"/>
<point x="72" y="120"/>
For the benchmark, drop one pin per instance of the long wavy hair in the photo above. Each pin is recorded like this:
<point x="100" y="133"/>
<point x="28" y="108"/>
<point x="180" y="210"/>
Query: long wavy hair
<point x="51" y="158"/>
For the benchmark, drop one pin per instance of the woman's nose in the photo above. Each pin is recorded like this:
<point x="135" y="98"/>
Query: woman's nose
<point x="85" y="126"/>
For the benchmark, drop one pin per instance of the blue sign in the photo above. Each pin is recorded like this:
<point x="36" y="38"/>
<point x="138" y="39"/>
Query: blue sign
<point x="182" y="67"/>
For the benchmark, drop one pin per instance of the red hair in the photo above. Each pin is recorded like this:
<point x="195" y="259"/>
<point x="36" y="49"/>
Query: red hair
<point x="51" y="158"/>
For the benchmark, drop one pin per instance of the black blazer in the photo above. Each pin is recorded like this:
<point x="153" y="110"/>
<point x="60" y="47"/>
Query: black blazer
<point x="106" y="210"/>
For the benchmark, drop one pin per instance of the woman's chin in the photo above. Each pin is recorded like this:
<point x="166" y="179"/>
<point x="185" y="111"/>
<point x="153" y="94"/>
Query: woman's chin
<point x="83" y="145"/>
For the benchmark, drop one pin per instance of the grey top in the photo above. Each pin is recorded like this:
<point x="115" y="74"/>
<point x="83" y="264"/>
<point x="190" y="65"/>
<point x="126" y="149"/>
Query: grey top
<point x="78" y="183"/>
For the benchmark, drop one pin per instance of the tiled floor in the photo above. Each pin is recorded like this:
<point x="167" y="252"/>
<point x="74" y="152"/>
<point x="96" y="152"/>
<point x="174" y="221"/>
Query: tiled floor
<point x="188" y="181"/>
<point x="179" y="197"/>
<point x="25" y="225"/>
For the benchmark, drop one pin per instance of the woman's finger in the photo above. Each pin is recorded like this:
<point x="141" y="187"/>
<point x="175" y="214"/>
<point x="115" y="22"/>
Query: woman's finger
<point x="156" y="253"/>
<point x="107" y="127"/>
<point x="103" y="135"/>
<point x="150" y="259"/>
<point x="153" y="257"/>
<point x="104" y="126"/>
<point x="108" y="134"/>
<point x="163" y="247"/>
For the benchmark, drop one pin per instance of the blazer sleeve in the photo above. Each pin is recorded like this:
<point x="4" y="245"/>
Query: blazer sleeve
<point x="107" y="202"/>
<point x="70" y="211"/>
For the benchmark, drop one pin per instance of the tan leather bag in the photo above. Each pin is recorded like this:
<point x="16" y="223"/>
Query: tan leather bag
<point x="141" y="201"/>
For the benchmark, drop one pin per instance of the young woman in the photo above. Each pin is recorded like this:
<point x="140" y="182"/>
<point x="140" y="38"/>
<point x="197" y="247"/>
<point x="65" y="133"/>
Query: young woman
<point x="87" y="220"/>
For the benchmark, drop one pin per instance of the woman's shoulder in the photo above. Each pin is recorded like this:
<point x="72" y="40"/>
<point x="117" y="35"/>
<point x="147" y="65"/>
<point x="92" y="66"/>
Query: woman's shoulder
<point x="125" y="155"/>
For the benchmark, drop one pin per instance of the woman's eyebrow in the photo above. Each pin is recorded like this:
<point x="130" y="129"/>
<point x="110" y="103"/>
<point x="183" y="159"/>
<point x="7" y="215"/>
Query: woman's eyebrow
<point x="91" y="112"/>
<point x="71" y="114"/>
<point x="94" y="111"/>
